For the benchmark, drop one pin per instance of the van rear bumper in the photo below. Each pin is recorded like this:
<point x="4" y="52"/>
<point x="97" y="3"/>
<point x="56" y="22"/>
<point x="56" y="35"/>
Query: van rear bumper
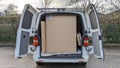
<point x="47" y="60"/>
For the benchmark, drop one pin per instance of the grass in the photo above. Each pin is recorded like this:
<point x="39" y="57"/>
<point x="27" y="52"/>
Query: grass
<point x="111" y="45"/>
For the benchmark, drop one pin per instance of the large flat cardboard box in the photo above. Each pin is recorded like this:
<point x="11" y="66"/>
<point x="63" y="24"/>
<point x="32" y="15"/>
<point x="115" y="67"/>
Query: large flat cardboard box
<point x="43" y="30"/>
<point x="60" y="34"/>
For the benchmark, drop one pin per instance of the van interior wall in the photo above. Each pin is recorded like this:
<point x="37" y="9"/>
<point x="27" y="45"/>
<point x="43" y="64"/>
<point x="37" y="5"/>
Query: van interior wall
<point x="80" y="30"/>
<point x="80" y="27"/>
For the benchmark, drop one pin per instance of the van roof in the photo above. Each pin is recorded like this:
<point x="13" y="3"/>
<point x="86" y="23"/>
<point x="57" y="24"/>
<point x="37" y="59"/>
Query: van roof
<point x="61" y="9"/>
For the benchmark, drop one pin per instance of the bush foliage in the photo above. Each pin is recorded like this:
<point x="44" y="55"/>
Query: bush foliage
<point x="110" y="24"/>
<point x="8" y="29"/>
<point x="110" y="27"/>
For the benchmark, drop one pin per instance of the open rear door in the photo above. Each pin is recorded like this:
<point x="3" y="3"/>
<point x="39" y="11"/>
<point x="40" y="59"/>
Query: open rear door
<point x="23" y="34"/>
<point x="95" y="32"/>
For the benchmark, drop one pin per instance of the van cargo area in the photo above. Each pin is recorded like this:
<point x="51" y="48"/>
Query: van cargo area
<point x="61" y="35"/>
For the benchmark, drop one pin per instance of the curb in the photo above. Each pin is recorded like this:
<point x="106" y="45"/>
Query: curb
<point x="7" y="45"/>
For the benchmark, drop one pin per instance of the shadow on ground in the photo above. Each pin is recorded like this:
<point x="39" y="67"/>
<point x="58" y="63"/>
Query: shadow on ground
<point x="61" y="66"/>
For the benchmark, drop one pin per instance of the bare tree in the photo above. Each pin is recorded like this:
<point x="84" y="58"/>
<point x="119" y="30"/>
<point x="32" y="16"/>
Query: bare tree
<point x="115" y="3"/>
<point x="6" y="12"/>
<point x="45" y="3"/>
<point x="11" y="9"/>
<point x="73" y="3"/>
<point x="79" y="4"/>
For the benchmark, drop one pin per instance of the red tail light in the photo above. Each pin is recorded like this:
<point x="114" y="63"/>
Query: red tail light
<point x="35" y="41"/>
<point x="40" y="60"/>
<point x="86" y="41"/>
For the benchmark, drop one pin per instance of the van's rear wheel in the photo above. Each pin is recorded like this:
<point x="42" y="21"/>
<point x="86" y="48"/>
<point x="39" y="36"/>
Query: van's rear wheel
<point x="39" y="63"/>
<point x="84" y="64"/>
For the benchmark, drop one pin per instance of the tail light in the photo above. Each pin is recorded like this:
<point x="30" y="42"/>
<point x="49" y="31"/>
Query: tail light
<point x="40" y="60"/>
<point x="35" y="41"/>
<point x="86" y="41"/>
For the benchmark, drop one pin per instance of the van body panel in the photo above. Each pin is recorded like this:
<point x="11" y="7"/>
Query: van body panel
<point x="23" y="34"/>
<point x="32" y="24"/>
<point x="94" y="31"/>
<point x="61" y="60"/>
<point x="36" y="54"/>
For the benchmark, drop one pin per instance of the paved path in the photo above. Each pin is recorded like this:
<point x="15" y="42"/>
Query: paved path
<point x="7" y="60"/>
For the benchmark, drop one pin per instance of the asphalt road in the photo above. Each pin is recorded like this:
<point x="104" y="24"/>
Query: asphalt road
<point x="7" y="60"/>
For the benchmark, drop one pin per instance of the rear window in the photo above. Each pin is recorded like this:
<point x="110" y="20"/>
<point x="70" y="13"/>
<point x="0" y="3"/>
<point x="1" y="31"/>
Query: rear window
<point x="93" y="20"/>
<point x="27" y="20"/>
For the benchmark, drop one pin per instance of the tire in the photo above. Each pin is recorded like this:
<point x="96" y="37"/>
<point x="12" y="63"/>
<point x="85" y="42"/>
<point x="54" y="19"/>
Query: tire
<point x="39" y="63"/>
<point x="83" y="64"/>
<point x="19" y="57"/>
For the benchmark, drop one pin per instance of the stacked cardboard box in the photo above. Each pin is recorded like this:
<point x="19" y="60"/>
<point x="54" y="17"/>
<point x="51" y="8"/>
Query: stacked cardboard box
<point x="59" y="34"/>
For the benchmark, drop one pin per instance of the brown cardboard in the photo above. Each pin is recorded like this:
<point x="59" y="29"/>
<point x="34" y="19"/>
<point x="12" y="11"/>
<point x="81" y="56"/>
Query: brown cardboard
<point x="61" y="34"/>
<point x="43" y="36"/>
<point x="79" y="39"/>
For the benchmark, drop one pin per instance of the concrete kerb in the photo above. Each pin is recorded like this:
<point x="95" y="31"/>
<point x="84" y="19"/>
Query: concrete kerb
<point x="7" y="45"/>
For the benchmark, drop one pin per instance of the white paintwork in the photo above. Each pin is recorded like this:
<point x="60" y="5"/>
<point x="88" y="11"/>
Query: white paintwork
<point x="17" y="43"/>
<point x="20" y="29"/>
<point x="100" y="41"/>
<point x="85" y="54"/>
<point x="62" y="60"/>
<point x="29" y="49"/>
<point x="36" y="53"/>
<point x="95" y="30"/>
<point x="91" y="51"/>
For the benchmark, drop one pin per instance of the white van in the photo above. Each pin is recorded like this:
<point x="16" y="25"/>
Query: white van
<point x="60" y="35"/>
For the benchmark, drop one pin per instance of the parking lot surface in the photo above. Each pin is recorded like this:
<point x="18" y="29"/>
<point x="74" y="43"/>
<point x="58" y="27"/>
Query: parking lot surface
<point x="112" y="60"/>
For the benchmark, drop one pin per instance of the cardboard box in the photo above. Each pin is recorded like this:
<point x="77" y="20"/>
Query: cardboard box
<point x="79" y="39"/>
<point x="60" y="34"/>
<point x="43" y="30"/>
